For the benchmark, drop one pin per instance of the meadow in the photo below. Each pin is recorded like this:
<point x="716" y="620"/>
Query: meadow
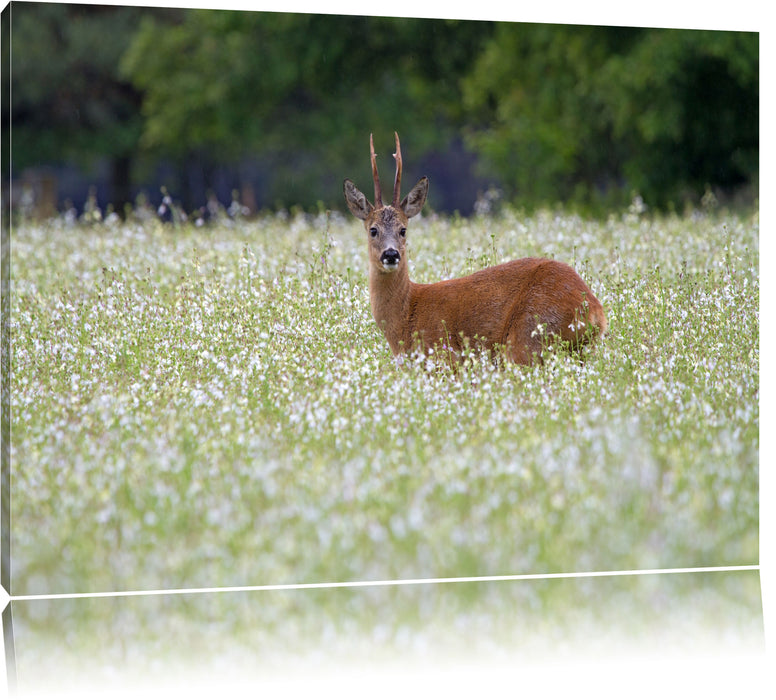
<point x="214" y="406"/>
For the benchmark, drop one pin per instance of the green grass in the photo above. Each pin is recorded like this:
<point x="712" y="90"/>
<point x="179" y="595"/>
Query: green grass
<point x="216" y="407"/>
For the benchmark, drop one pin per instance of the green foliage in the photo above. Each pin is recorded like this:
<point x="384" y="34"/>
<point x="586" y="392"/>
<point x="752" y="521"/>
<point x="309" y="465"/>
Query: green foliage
<point x="556" y="113"/>
<point x="67" y="99"/>
<point x="686" y="105"/>
<point x="68" y="102"/>
<point x="593" y="113"/>
<point x="301" y="91"/>
<point x="552" y="114"/>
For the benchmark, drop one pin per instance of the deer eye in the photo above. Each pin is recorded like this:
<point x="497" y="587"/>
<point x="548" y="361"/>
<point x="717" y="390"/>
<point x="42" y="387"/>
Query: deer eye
<point x="373" y="231"/>
<point x="402" y="232"/>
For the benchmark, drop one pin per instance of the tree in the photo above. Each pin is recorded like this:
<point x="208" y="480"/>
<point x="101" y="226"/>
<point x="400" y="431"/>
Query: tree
<point x="299" y="92"/>
<point x="550" y="113"/>
<point x="589" y="113"/>
<point x="686" y="110"/>
<point x="68" y="101"/>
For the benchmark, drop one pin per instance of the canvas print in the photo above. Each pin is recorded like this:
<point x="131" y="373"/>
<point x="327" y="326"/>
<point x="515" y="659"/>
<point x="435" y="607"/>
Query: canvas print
<point x="295" y="300"/>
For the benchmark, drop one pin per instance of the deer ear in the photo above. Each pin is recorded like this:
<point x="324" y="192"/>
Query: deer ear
<point x="358" y="204"/>
<point x="415" y="199"/>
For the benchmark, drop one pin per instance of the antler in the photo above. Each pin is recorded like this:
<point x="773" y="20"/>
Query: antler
<point x="375" y="176"/>
<point x="397" y="181"/>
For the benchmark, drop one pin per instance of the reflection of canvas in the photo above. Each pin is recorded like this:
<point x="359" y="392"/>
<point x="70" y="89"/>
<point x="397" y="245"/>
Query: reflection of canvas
<point x="404" y="634"/>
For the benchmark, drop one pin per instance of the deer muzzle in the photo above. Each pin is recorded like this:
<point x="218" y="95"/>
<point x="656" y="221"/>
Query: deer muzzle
<point x="390" y="259"/>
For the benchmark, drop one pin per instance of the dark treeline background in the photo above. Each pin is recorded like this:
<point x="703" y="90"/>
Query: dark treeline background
<point x="122" y="101"/>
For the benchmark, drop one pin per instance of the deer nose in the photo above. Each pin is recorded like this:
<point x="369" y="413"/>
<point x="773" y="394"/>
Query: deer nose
<point x="390" y="258"/>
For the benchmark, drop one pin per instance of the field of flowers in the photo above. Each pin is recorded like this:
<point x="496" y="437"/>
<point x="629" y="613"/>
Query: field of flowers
<point x="215" y="406"/>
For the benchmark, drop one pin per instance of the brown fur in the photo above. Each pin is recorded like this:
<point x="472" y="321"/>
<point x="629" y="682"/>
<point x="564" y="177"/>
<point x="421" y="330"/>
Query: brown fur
<point x="519" y="305"/>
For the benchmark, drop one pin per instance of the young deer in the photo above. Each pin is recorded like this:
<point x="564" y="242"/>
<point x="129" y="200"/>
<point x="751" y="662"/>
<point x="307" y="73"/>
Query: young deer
<point x="518" y="305"/>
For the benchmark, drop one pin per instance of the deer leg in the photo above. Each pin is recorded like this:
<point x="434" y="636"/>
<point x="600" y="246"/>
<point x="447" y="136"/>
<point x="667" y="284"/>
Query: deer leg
<point x="524" y="341"/>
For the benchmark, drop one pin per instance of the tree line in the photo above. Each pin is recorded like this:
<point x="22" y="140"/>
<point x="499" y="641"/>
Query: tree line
<point x="584" y="116"/>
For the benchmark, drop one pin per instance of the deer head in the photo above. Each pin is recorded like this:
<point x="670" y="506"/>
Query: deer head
<point x="386" y="224"/>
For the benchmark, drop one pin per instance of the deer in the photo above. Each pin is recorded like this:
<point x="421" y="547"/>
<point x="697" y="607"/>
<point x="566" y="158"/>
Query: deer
<point x="521" y="306"/>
